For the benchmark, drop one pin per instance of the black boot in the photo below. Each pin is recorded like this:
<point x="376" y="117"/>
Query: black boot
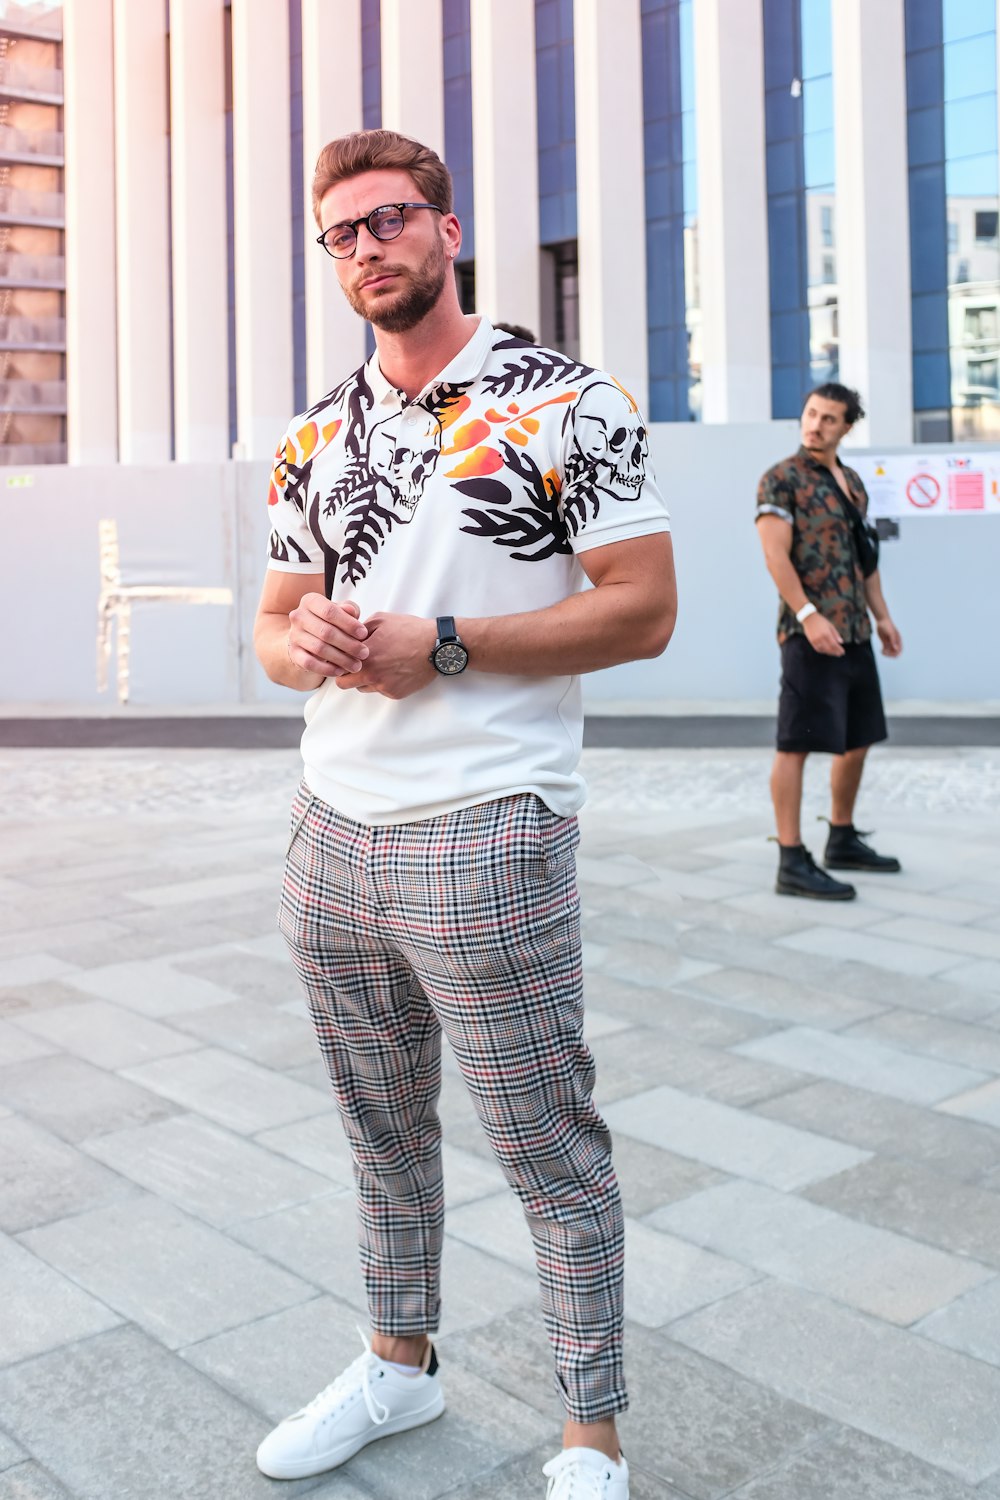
<point x="799" y="875"/>
<point x="846" y="850"/>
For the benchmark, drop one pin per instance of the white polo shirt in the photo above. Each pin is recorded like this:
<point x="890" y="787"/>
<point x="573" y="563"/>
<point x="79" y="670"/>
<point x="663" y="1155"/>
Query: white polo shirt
<point x="474" y="499"/>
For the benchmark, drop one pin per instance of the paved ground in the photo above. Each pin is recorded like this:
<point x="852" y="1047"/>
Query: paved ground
<point x="806" y="1103"/>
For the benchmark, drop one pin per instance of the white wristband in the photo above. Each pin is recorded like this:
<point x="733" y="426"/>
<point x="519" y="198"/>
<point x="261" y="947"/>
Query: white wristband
<point x="803" y="614"/>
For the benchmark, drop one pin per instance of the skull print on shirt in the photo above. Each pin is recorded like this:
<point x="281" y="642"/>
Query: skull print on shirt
<point x="526" y="453"/>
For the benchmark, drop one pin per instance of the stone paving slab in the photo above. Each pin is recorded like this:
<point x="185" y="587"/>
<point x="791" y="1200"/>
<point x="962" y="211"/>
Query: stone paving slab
<point x="871" y="1269"/>
<point x="982" y="1103"/>
<point x="720" y="1136"/>
<point x="42" y="1309"/>
<point x="938" y="1405"/>
<point x="75" y="1100"/>
<point x="971" y="1324"/>
<point x="104" y="1034"/>
<point x="30" y="1482"/>
<point x="889" y="953"/>
<point x="19" y="1046"/>
<point x="119" y="1416"/>
<point x="853" y="1466"/>
<point x="230" y="1090"/>
<point x="151" y="987"/>
<point x="42" y="1178"/>
<point x="976" y="1047"/>
<point x="165" y="1271"/>
<point x="863" y="1063"/>
<point x="10" y="1453"/>
<point x="207" y="1171"/>
<point x="912" y="1200"/>
<point x="959" y="1149"/>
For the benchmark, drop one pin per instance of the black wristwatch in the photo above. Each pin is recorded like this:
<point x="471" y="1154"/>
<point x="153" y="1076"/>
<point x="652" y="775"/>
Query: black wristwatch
<point x="449" y="656"/>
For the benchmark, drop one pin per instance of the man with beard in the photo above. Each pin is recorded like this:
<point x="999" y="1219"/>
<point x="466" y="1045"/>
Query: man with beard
<point x="809" y="509"/>
<point x="436" y="519"/>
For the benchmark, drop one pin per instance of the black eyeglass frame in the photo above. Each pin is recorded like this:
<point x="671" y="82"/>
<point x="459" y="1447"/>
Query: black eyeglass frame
<point x="355" y="224"/>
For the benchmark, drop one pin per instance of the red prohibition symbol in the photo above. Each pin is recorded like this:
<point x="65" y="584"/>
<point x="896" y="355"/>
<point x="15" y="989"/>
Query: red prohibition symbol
<point x="923" y="491"/>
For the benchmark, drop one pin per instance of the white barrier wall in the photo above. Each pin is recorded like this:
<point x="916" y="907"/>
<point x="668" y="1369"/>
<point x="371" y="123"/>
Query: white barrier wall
<point x="184" y="530"/>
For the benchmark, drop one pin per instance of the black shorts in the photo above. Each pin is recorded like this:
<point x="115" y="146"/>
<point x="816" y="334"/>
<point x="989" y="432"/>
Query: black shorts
<point x="830" y="703"/>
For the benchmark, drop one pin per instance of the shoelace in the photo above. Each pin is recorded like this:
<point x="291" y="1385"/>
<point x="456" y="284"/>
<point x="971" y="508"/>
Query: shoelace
<point x="347" y="1382"/>
<point x="575" y="1481"/>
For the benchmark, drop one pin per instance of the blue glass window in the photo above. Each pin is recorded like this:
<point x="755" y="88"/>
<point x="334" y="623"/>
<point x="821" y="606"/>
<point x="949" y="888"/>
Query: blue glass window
<point x="456" y="27"/>
<point x="954" y="205"/>
<point x="801" y="215"/>
<point x="671" y="211"/>
<point x="555" y="83"/>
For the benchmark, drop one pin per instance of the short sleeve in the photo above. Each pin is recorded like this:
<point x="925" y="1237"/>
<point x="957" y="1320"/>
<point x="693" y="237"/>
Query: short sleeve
<point x="774" y="497"/>
<point x="609" y="493"/>
<point x="292" y="548"/>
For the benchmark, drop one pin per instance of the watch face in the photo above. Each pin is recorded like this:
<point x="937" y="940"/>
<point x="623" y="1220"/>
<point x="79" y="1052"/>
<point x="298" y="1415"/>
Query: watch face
<point x="450" y="658"/>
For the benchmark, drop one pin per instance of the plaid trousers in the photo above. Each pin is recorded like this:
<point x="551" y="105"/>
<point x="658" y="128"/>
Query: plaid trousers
<point x="468" y="923"/>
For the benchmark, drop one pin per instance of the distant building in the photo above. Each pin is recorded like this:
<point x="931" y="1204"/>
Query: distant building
<point x="32" y="219"/>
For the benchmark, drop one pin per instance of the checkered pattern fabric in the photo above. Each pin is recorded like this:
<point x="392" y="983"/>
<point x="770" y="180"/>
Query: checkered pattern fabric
<point x="468" y="923"/>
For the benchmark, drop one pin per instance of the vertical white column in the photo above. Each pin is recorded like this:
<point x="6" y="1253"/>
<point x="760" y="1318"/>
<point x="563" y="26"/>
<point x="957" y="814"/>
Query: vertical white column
<point x="262" y="225"/>
<point x="505" y="161"/>
<point x="91" y="349"/>
<point x="732" y="210"/>
<point x="198" y="205"/>
<point x="141" y="146"/>
<point x="413" y="70"/>
<point x="331" y="106"/>
<point x="872" y="215"/>
<point x="611" y="244"/>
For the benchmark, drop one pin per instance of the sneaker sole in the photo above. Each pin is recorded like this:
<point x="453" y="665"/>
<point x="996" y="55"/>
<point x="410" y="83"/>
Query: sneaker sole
<point x="305" y="1468"/>
<point x="790" y="890"/>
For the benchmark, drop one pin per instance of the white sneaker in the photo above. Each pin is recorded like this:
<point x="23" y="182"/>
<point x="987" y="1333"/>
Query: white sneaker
<point x="369" y="1400"/>
<point x="585" y="1474"/>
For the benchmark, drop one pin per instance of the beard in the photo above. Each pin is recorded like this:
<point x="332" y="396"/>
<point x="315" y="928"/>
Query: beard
<point x="402" y="308"/>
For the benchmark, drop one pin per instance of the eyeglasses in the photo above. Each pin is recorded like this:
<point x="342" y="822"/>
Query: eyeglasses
<point x="385" y="223"/>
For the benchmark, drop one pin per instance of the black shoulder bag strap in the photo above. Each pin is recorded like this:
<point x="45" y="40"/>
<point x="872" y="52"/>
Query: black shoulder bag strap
<point x="866" y="541"/>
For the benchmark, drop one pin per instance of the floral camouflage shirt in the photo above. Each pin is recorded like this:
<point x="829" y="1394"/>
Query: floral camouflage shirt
<point x="804" y="492"/>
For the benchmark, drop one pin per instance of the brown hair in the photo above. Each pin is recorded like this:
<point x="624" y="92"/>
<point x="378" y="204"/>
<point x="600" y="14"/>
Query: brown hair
<point x="380" y="151"/>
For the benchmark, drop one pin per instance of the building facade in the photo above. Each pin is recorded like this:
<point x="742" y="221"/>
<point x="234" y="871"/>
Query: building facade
<point x="723" y="201"/>
<point x="32" y="222"/>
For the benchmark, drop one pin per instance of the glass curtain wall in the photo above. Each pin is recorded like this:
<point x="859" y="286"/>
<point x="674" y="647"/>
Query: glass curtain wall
<point x="371" y="90"/>
<point x="672" y="284"/>
<point x="951" y="78"/>
<point x="556" y="81"/>
<point x="456" y="27"/>
<point x="298" y="209"/>
<point x="801" y="199"/>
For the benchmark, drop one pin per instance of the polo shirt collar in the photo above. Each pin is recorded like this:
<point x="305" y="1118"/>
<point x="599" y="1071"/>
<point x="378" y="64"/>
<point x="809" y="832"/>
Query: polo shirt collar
<point x="466" y="365"/>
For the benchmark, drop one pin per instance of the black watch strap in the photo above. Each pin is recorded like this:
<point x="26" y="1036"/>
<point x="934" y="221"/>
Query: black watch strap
<point x="446" y="629"/>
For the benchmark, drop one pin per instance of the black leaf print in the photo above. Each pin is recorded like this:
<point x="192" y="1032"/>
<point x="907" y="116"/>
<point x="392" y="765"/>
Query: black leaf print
<point x="490" y="491"/>
<point x="367" y="528"/>
<point x="532" y="371"/>
<point x="297" y="484"/>
<point x="537" y="529"/>
<point x="336" y="396"/>
<point x="537" y="533"/>
<point x="360" y="403"/>
<point x="444" y="397"/>
<point x="353" y="480"/>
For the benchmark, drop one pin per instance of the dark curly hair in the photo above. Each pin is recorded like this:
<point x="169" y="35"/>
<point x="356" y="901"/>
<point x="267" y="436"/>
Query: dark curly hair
<point x="832" y="390"/>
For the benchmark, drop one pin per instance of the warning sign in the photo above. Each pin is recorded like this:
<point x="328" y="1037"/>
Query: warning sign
<point x="930" y="484"/>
